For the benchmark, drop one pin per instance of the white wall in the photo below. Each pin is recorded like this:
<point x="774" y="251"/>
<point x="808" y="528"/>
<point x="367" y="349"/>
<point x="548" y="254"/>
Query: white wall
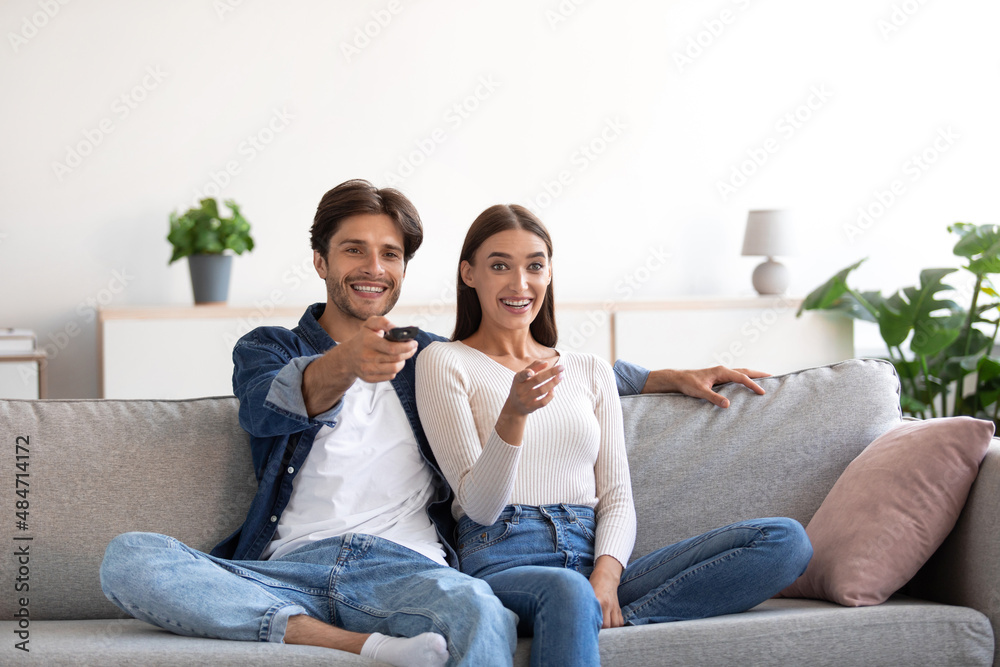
<point x="676" y="129"/>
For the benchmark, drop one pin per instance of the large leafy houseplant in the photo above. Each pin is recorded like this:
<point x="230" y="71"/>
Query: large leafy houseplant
<point x="950" y="367"/>
<point x="202" y="231"/>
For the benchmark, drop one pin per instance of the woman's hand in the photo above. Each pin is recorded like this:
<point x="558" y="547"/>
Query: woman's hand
<point x="605" y="579"/>
<point x="531" y="389"/>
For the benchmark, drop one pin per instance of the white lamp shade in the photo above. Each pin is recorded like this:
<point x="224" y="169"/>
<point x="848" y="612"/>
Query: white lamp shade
<point x="769" y="234"/>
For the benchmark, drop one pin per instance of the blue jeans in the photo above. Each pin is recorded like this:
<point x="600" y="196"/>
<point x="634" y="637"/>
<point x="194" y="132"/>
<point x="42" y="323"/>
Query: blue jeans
<point x="356" y="582"/>
<point x="538" y="559"/>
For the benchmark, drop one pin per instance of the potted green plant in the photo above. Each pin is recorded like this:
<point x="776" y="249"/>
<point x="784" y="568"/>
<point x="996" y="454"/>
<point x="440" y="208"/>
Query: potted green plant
<point x="208" y="240"/>
<point x="950" y="367"/>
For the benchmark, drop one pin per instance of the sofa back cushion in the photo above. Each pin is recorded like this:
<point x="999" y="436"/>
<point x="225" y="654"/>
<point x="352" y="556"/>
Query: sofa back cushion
<point x="696" y="467"/>
<point x="100" y="468"/>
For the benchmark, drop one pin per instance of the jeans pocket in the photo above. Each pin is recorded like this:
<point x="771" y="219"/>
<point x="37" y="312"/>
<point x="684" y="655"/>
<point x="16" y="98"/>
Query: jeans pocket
<point x="466" y="528"/>
<point x="474" y="537"/>
<point x="588" y="527"/>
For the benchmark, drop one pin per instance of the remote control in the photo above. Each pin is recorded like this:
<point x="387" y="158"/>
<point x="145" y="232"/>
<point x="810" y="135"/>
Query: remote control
<point x="400" y="334"/>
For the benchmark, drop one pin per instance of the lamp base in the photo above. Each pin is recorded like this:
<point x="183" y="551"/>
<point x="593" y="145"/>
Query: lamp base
<point x="771" y="278"/>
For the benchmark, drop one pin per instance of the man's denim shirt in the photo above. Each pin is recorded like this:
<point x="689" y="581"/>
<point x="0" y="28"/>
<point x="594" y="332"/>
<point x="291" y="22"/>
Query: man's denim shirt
<point x="267" y="380"/>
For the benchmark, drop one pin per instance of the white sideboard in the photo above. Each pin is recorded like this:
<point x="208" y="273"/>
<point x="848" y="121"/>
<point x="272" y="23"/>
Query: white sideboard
<point x="22" y="375"/>
<point x="176" y="352"/>
<point x="186" y="351"/>
<point x="760" y="333"/>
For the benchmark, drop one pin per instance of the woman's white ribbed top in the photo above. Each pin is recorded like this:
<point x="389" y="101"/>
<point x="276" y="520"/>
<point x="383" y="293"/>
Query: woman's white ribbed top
<point x="573" y="449"/>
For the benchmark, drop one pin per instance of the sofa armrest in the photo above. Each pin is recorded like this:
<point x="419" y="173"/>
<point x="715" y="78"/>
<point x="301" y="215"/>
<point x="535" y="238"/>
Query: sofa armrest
<point x="965" y="570"/>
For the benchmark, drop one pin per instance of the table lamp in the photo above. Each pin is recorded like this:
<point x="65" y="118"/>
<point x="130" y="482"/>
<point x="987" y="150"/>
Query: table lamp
<point x="769" y="233"/>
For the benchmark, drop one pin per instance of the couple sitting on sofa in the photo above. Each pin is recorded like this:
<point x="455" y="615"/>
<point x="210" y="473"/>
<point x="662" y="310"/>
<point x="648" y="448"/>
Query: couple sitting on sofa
<point x="348" y="541"/>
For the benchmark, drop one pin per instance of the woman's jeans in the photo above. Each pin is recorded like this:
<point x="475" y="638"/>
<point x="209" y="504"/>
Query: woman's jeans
<point x="357" y="582"/>
<point x="538" y="559"/>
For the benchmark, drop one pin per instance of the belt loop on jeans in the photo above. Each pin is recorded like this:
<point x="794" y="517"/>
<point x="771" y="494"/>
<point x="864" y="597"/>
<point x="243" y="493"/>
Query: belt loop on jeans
<point x="569" y="512"/>
<point x="515" y="514"/>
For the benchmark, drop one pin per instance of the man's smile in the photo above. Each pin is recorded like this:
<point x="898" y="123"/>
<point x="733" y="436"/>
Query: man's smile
<point x="368" y="290"/>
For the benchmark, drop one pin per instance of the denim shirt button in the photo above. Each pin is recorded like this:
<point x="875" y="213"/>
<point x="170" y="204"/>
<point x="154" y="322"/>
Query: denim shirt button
<point x="291" y="470"/>
<point x="273" y="519"/>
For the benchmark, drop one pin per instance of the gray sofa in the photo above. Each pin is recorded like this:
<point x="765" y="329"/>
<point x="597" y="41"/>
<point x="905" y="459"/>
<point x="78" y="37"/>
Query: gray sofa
<point x="101" y="467"/>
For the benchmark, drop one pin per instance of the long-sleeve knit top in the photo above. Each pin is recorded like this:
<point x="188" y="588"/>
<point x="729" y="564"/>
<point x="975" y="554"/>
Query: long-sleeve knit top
<point x="572" y="451"/>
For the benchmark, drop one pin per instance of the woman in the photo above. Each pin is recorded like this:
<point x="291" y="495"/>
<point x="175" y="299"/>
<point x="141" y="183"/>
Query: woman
<point x="531" y="439"/>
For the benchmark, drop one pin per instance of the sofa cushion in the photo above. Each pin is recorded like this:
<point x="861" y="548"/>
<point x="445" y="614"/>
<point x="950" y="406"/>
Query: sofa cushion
<point x="696" y="467"/>
<point x="891" y="509"/>
<point x="778" y="632"/>
<point x="100" y="468"/>
<point x="809" y="632"/>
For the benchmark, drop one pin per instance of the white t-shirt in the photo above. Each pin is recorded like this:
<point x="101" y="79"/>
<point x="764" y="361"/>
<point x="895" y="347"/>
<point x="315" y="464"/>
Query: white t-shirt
<point x="365" y="475"/>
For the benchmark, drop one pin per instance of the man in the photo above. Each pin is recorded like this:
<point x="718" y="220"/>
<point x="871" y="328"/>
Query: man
<point x="346" y="543"/>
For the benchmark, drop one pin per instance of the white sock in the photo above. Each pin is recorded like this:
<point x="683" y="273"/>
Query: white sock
<point x="427" y="650"/>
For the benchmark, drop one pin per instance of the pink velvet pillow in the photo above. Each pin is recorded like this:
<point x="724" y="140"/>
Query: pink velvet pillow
<point x="891" y="509"/>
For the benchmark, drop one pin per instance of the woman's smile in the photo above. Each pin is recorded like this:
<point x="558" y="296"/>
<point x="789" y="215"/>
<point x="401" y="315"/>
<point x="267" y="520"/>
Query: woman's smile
<point x="517" y="306"/>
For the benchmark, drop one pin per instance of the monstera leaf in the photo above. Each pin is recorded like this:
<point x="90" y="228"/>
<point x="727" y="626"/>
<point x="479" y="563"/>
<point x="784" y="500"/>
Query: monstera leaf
<point x="963" y="356"/>
<point x="987" y="385"/>
<point x="980" y="245"/>
<point x="915" y="309"/>
<point x="834" y="294"/>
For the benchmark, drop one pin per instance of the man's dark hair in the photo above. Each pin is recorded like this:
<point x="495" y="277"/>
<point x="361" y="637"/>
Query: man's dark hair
<point x="356" y="197"/>
<point x="469" y="312"/>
